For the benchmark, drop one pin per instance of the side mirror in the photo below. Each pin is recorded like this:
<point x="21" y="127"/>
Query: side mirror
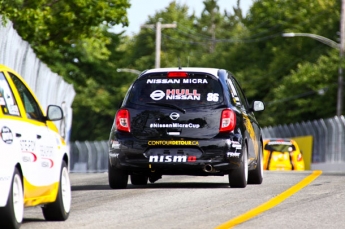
<point x="258" y="106"/>
<point x="54" y="113"/>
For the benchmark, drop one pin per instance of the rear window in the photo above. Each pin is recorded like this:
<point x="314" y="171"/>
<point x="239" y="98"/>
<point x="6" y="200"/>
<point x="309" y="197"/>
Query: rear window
<point x="280" y="146"/>
<point x="194" y="91"/>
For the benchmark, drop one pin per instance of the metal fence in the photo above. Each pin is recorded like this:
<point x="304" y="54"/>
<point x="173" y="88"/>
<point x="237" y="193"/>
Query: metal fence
<point x="328" y="137"/>
<point x="49" y="87"/>
<point x="328" y="145"/>
<point x="89" y="156"/>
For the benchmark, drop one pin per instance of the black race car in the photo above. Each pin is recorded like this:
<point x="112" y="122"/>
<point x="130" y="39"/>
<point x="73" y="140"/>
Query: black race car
<point x="185" y="121"/>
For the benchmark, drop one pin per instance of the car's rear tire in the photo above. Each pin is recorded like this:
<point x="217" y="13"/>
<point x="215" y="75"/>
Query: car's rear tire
<point x="117" y="178"/>
<point x="11" y="216"/>
<point x="139" y="179"/>
<point x="238" y="177"/>
<point x="59" y="210"/>
<point x="256" y="176"/>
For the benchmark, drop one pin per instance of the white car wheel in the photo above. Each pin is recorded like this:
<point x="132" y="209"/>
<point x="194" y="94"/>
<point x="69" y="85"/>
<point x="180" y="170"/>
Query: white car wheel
<point x="59" y="210"/>
<point x="11" y="215"/>
<point x="66" y="190"/>
<point x="18" y="198"/>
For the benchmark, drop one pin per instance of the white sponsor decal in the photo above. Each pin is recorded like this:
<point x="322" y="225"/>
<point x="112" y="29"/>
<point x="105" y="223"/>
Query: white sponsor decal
<point x="213" y="97"/>
<point x="233" y="154"/>
<point x="6" y="178"/>
<point x="175" y="94"/>
<point x="47" y="163"/>
<point x="182" y="94"/>
<point x="176" y="81"/>
<point x="173" y="133"/>
<point x="13" y="110"/>
<point x="27" y="145"/>
<point x="236" y="145"/>
<point x="157" y="95"/>
<point x="6" y="135"/>
<point x="162" y="81"/>
<point x="115" y="145"/>
<point x="29" y="156"/>
<point x="46" y="151"/>
<point x="171" y="158"/>
<point x="174" y="116"/>
<point x="174" y="125"/>
<point x="195" y="81"/>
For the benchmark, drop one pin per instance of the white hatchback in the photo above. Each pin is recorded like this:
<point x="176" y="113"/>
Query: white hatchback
<point x="33" y="156"/>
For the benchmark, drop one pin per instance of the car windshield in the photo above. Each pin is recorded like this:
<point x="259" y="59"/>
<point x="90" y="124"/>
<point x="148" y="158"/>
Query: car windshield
<point x="194" y="91"/>
<point x="280" y="146"/>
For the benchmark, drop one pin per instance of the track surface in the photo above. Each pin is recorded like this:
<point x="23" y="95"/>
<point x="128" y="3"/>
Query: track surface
<point x="182" y="202"/>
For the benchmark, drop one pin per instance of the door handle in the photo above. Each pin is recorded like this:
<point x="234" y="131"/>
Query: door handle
<point x="38" y="136"/>
<point x="18" y="135"/>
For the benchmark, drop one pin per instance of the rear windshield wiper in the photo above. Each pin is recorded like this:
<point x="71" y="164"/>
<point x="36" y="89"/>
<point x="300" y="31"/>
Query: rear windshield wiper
<point x="168" y="105"/>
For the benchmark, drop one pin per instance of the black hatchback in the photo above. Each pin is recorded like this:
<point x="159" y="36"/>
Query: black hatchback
<point x="185" y="121"/>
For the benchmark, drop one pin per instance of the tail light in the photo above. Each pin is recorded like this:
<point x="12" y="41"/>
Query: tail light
<point x="227" y="121"/>
<point x="177" y="74"/>
<point x="122" y="120"/>
<point x="299" y="157"/>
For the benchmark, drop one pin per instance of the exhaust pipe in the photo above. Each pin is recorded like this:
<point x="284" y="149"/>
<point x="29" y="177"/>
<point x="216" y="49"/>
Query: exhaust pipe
<point x="208" y="168"/>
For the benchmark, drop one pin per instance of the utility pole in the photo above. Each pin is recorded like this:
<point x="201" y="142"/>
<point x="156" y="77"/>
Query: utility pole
<point x="341" y="57"/>
<point x="159" y="27"/>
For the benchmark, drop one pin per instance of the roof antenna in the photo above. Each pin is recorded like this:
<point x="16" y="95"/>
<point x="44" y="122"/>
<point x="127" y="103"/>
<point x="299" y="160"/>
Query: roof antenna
<point x="179" y="63"/>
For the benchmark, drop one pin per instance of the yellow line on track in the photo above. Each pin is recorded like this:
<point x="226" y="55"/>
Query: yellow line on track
<point x="271" y="203"/>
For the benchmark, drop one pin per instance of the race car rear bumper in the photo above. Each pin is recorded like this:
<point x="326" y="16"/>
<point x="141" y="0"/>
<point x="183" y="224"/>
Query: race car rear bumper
<point x="207" y="157"/>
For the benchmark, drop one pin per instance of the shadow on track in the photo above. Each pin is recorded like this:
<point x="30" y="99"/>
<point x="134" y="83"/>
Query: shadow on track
<point x="173" y="185"/>
<point x="89" y="187"/>
<point x="30" y="220"/>
<point x="166" y="185"/>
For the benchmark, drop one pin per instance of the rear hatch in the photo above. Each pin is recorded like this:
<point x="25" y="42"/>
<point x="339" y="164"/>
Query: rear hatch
<point x="279" y="154"/>
<point x="175" y="106"/>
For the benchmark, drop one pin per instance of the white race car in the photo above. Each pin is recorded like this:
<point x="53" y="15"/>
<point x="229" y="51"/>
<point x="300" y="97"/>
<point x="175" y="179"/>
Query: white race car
<point x="33" y="156"/>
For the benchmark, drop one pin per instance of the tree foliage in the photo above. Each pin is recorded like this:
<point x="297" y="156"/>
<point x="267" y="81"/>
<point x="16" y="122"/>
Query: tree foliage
<point x="72" y="38"/>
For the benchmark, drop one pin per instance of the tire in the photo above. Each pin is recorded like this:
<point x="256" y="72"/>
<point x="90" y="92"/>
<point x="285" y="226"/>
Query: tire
<point x="60" y="209"/>
<point x="238" y="177"/>
<point x="11" y="216"/>
<point x="256" y="176"/>
<point x="117" y="178"/>
<point x="139" y="179"/>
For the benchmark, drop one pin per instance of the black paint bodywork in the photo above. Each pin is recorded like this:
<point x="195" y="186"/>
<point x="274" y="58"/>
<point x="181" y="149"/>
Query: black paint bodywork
<point x="131" y="151"/>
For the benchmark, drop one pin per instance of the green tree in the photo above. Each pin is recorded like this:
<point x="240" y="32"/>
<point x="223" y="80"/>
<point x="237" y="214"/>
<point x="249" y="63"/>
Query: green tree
<point x="268" y="58"/>
<point x="176" y="45"/>
<point x="72" y="38"/>
<point x="309" y="92"/>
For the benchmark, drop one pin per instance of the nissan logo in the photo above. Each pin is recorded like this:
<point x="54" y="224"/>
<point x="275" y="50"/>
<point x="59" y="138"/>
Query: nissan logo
<point x="157" y="95"/>
<point x="174" y="116"/>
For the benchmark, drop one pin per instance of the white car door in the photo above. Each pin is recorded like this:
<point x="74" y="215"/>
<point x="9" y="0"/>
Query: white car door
<point x="10" y="136"/>
<point x="43" y="178"/>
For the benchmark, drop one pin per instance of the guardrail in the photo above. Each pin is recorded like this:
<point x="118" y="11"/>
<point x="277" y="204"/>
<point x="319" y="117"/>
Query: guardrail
<point x="328" y="137"/>
<point x="328" y="145"/>
<point x="89" y="156"/>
